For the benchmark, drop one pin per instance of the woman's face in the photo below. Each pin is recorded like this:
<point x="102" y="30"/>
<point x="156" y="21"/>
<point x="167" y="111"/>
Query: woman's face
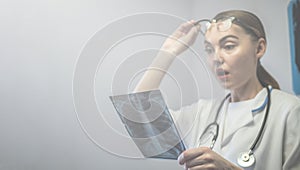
<point x="232" y="56"/>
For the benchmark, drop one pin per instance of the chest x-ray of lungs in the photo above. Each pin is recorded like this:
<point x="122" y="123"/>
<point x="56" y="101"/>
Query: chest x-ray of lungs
<point x="149" y="123"/>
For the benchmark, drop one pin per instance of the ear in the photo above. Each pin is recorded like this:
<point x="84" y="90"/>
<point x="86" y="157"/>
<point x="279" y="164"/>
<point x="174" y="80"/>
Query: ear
<point x="261" y="47"/>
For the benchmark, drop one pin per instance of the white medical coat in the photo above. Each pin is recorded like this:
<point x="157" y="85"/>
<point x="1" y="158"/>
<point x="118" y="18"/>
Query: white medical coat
<point x="279" y="145"/>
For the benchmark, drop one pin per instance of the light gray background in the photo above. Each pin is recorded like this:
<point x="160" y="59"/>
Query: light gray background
<point x="40" y="42"/>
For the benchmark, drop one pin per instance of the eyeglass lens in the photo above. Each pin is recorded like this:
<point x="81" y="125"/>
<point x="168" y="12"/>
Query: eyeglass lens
<point x="222" y="24"/>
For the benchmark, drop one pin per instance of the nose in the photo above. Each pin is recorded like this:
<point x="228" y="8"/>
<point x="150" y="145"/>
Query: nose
<point x="217" y="58"/>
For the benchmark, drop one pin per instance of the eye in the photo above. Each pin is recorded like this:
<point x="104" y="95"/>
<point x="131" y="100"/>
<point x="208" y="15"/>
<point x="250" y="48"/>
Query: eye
<point x="229" y="47"/>
<point x="209" y="50"/>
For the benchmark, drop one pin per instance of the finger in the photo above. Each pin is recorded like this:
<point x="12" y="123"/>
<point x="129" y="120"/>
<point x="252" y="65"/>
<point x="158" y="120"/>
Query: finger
<point x="187" y="38"/>
<point x="202" y="167"/>
<point x="196" y="25"/>
<point x="186" y="27"/>
<point x="183" y="29"/>
<point x="203" y="159"/>
<point x="180" y="30"/>
<point x="193" y="32"/>
<point x="191" y="154"/>
<point x="191" y="36"/>
<point x="193" y="22"/>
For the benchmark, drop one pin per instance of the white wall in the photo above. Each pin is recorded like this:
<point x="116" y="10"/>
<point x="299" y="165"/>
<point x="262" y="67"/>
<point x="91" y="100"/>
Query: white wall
<point x="40" y="42"/>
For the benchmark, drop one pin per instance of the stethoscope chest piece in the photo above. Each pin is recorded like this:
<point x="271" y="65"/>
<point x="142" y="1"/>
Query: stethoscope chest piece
<point x="246" y="160"/>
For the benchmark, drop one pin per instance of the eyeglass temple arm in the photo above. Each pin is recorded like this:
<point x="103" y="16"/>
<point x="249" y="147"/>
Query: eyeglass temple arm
<point x="201" y="20"/>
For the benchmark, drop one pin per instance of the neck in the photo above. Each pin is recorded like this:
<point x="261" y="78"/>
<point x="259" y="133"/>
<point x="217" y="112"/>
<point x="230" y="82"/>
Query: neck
<point x="246" y="92"/>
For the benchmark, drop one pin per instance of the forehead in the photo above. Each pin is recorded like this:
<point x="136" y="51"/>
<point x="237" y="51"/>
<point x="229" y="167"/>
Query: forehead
<point x="213" y="35"/>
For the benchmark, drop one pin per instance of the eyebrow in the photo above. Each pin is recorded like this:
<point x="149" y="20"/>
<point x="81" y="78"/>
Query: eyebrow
<point x="226" y="37"/>
<point x="223" y="39"/>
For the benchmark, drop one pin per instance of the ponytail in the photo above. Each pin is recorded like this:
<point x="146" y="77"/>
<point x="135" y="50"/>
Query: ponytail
<point x="265" y="78"/>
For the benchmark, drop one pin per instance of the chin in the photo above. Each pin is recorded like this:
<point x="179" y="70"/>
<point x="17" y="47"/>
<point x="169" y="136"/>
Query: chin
<point x="226" y="85"/>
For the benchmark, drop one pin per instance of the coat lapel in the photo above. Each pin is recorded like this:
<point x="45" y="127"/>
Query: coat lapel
<point x="240" y="115"/>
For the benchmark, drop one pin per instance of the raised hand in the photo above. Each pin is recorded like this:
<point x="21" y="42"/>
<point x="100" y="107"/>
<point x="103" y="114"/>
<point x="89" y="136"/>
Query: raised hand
<point x="183" y="37"/>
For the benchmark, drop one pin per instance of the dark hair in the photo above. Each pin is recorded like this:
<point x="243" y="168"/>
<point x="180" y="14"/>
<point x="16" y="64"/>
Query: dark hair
<point x="254" y="27"/>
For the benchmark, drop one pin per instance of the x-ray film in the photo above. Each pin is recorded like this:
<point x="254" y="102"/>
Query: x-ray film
<point x="149" y="123"/>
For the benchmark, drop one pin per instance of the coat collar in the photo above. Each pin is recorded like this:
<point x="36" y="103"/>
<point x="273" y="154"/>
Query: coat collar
<point x="235" y="120"/>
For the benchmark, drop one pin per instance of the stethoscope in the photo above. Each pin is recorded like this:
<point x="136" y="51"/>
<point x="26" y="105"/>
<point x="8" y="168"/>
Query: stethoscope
<point x="245" y="159"/>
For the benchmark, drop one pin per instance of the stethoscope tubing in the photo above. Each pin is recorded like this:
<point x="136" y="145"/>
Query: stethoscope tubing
<point x="259" y="135"/>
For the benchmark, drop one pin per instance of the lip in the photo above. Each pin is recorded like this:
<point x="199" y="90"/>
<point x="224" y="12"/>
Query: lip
<point x="222" y="74"/>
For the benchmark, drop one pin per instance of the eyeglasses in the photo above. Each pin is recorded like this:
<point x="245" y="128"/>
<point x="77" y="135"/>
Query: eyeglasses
<point x="223" y="24"/>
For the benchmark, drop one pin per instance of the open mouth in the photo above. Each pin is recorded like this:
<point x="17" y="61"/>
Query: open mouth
<point x="221" y="72"/>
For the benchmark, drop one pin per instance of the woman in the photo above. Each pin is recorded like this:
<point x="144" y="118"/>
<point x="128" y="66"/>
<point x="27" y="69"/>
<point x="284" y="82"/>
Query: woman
<point x="257" y="124"/>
